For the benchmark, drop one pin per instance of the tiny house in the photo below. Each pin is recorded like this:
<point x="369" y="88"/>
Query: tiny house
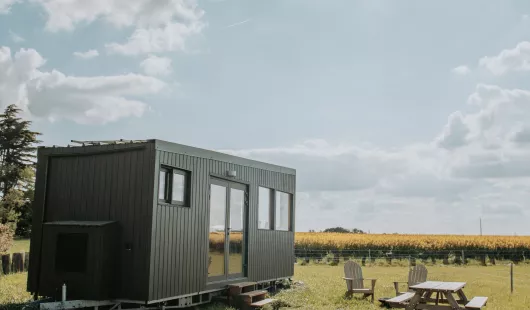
<point x="151" y="221"/>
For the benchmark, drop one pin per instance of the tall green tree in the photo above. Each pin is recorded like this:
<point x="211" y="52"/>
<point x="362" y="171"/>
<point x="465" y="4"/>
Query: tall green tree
<point x="17" y="160"/>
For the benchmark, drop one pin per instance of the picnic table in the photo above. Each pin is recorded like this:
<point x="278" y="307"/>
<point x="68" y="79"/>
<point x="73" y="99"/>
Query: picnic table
<point x="437" y="295"/>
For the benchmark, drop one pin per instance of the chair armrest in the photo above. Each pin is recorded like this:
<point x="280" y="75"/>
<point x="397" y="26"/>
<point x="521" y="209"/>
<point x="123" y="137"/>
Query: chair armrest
<point x="373" y="282"/>
<point x="348" y="278"/>
<point x="396" y="286"/>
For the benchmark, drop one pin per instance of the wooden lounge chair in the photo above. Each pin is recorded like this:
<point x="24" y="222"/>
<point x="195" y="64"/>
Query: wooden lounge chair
<point x="417" y="274"/>
<point x="353" y="275"/>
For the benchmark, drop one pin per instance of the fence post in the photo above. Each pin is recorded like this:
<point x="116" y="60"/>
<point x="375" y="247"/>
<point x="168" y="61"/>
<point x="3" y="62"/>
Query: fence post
<point x="463" y="257"/>
<point x="26" y="261"/>
<point x="17" y="262"/>
<point x="6" y="263"/>
<point x="369" y="255"/>
<point x="511" y="277"/>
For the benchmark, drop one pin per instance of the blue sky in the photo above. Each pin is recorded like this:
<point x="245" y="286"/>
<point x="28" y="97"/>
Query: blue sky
<point x="413" y="111"/>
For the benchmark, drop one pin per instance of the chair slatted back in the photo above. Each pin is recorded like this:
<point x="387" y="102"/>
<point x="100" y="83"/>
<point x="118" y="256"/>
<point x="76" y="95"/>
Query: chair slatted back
<point x="352" y="270"/>
<point x="418" y="274"/>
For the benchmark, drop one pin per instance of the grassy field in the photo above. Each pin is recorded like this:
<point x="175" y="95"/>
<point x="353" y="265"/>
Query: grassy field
<point x="323" y="287"/>
<point x="320" y="286"/>
<point x="19" y="245"/>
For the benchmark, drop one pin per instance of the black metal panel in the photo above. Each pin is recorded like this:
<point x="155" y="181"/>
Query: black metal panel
<point x="180" y="234"/>
<point x="95" y="183"/>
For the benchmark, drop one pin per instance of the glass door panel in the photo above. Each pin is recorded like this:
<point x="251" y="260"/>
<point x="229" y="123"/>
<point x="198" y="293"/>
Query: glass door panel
<point x="237" y="231"/>
<point x="226" y="254"/>
<point x="217" y="237"/>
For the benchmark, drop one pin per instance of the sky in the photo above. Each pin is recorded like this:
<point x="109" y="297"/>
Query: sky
<point x="399" y="116"/>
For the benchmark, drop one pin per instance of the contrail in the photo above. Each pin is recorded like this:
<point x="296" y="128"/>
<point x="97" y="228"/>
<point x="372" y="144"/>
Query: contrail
<point x="237" y="24"/>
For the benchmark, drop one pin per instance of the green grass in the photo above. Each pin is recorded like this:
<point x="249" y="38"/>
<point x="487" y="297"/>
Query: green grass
<point x="19" y="245"/>
<point x="13" y="289"/>
<point x="323" y="287"/>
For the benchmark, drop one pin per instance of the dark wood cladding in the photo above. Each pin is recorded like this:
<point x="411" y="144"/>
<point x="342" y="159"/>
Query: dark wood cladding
<point x="96" y="183"/>
<point x="163" y="249"/>
<point x="179" y="252"/>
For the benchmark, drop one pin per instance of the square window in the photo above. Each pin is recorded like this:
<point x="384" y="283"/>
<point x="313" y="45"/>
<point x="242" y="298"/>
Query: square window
<point x="173" y="186"/>
<point x="283" y="211"/>
<point x="71" y="252"/>
<point x="178" y="186"/>
<point x="162" y="184"/>
<point x="264" y="208"/>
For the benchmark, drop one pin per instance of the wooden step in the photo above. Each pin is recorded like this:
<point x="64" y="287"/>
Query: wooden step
<point x="262" y="303"/>
<point x="242" y="284"/>
<point x="253" y="294"/>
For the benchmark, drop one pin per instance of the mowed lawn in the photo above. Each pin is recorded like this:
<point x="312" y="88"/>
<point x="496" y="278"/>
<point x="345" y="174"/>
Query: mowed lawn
<point x="321" y="286"/>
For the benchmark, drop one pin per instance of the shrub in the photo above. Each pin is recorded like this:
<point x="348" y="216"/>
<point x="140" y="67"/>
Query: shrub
<point x="6" y="238"/>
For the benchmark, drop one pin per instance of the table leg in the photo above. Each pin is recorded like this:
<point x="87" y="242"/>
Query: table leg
<point x="462" y="296"/>
<point x="451" y="300"/>
<point x="415" y="300"/>
<point x="437" y="297"/>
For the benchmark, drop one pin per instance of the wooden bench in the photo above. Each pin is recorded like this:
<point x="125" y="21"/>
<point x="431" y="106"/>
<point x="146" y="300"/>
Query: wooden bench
<point x="401" y="298"/>
<point x="477" y="303"/>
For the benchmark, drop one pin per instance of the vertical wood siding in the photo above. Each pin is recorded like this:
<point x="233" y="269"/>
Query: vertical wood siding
<point x="100" y="183"/>
<point x="179" y="252"/>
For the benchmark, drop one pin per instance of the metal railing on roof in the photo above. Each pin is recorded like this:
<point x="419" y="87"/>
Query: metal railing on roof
<point x="107" y="142"/>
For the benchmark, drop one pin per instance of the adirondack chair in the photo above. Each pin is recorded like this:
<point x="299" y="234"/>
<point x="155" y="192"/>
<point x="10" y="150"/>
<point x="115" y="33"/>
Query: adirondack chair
<point x="353" y="275"/>
<point x="417" y="274"/>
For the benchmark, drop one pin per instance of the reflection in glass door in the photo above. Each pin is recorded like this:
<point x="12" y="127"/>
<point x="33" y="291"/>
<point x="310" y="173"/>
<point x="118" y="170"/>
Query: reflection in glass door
<point x="236" y="233"/>
<point x="216" y="261"/>
<point x="226" y="255"/>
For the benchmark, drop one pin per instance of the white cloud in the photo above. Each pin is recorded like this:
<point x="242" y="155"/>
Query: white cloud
<point x="515" y="59"/>
<point x="15" y="37"/>
<point x="168" y="38"/>
<point x="478" y="166"/>
<point x="5" y="5"/>
<point x="86" y="55"/>
<point x="156" y="66"/>
<point x="54" y="95"/>
<point x="66" y="15"/>
<point x="159" y="25"/>
<point x="461" y="70"/>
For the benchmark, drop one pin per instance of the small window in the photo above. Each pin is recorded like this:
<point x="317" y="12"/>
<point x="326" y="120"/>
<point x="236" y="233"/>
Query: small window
<point x="283" y="211"/>
<point x="264" y="208"/>
<point x="71" y="253"/>
<point x="173" y="186"/>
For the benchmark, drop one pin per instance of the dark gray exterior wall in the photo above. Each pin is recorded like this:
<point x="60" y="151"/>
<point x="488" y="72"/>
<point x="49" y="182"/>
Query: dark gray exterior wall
<point x="170" y="244"/>
<point x="179" y="247"/>
<point x="98" y="183"/>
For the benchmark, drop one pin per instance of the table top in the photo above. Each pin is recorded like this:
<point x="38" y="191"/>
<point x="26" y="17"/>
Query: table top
<point x="437" y="286"/>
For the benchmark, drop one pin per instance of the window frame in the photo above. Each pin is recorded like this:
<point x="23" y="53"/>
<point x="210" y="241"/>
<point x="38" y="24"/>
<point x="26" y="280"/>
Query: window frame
<point x="168" y="188"/>
<point x="271" y="207"/>
<point x="289" y="209"/>
<point x="272" y="210"/>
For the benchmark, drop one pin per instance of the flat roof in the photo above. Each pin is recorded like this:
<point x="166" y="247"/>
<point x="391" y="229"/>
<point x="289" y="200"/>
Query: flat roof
<point x="208" y="154"/>
<point x="79" y="223"/>
<point x="165" y="146"/>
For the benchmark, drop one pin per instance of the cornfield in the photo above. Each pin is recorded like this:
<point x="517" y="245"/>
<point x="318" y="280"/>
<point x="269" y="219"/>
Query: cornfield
<point x="314" y="244"/>
<point x="500" y="247"/>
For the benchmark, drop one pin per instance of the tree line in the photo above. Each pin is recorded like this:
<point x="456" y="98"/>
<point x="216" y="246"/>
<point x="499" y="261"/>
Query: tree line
<point x="342" y="230"/>
<point x="18" y="145"/>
